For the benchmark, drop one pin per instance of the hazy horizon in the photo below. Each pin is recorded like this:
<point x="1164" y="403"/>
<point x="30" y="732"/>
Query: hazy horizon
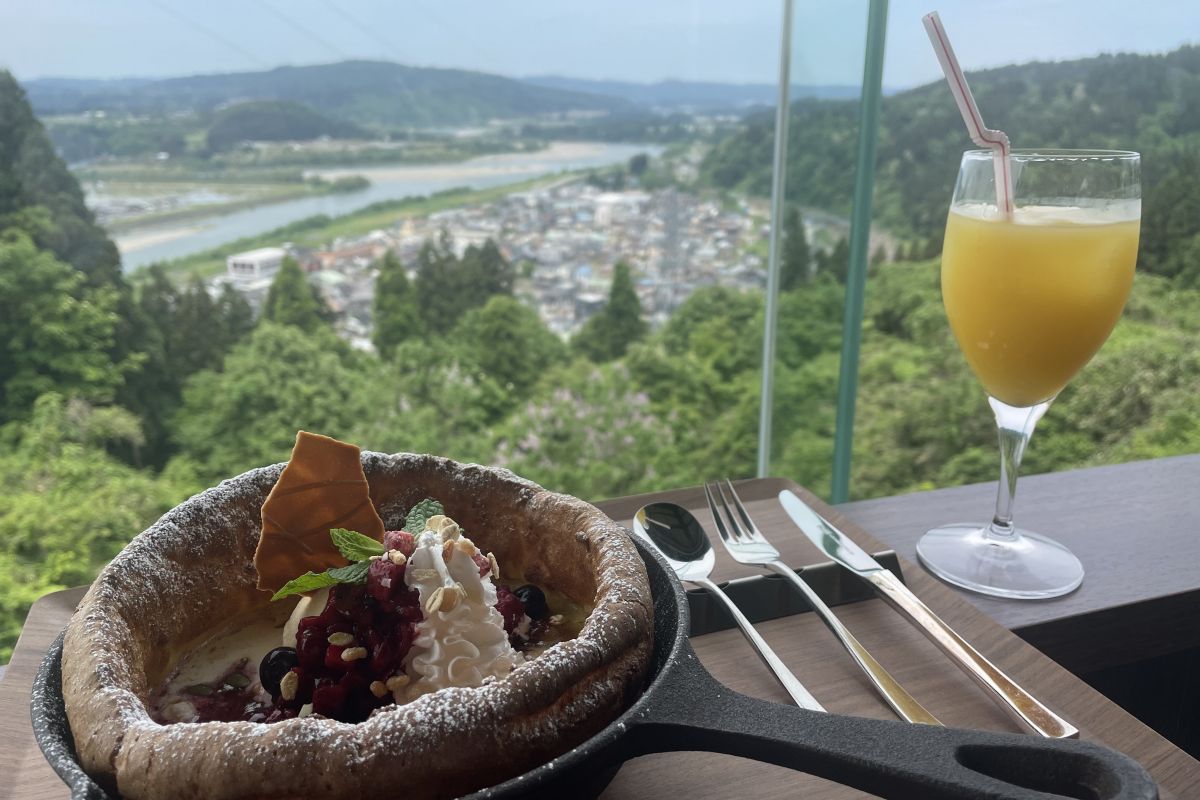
<point x="697" y="40"/>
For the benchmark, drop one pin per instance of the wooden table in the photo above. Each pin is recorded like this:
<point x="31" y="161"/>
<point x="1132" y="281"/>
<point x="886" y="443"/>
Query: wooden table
<point x="801" y="641"/>
<point x="1135" y="527"/>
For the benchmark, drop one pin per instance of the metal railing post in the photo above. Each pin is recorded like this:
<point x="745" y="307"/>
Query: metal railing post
<point x="860" y="232"/>
<point x="777" y="194"/>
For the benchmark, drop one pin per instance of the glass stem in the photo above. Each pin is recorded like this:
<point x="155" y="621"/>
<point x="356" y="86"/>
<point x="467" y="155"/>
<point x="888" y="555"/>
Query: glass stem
<point x="1014" y="426"/>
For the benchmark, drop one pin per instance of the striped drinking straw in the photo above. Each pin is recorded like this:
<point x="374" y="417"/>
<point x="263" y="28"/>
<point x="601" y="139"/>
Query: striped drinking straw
<point x="994" y="140"/>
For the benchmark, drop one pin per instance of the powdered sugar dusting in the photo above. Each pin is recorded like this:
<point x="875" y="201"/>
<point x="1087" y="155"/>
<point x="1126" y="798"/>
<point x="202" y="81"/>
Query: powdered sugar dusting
<point x="154" y="597"/>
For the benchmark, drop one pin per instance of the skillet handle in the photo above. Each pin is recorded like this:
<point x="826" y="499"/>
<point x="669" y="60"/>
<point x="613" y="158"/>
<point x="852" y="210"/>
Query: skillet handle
<point x="891" y="759"/>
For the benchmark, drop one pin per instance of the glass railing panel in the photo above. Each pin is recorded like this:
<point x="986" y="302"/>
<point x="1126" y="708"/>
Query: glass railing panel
<point x="826" y="69"/>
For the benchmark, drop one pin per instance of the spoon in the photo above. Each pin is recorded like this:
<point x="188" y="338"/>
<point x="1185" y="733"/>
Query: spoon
<point x="673" y="531"/>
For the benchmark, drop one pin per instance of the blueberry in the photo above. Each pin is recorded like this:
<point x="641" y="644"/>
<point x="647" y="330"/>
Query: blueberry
<point x="274" y="666"/>
<point x="534" y="600"/>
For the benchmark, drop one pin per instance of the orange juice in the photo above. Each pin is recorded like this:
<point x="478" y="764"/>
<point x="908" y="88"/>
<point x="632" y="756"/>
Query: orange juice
<point x="1031" y="299"/>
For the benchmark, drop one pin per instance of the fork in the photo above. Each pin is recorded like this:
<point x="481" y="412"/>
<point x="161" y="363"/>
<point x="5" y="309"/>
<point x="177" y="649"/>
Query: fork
<point x="746" y="544"/>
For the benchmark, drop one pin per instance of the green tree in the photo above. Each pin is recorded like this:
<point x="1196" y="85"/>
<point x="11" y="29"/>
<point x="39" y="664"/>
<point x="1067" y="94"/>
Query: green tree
<point x="292" y="301"/>
<point x="278" y="380"/>
<point x="198" y="336"/>
<point x="591" y="432"/>
<point x="153" y="392"/>
<point x="395" y="313"/>
<point x="236" y="315"/>
<point x="836" y="263"/>
<point x="508" y="342"/>
<point x="55" y="331"/>
<point x="436" y="287"/>
<point x="39" y="196"/>
<point x="638" y="164"/>
<point x="68" y="506"/>
<point x="486" y="273"/>
<point x="608" y="334"/>
<point x="429" y="399"/>
<point x="795" y="266"/>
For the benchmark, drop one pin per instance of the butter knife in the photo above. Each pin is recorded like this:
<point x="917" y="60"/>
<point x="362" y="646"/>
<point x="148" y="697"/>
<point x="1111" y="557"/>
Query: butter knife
<point x="1024" y="707"/>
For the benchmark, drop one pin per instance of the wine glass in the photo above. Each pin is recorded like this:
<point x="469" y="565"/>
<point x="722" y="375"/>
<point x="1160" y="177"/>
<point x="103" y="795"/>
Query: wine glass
<point x="1031" y="297"/>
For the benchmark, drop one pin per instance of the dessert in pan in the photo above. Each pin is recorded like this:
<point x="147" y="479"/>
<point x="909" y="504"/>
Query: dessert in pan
<point x="375" y="622"/>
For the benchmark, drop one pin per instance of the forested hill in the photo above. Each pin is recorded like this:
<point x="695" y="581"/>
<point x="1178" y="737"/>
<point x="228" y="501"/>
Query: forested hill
<point x="1149" y="103"/>
<point x="274" y="121"/>
<point x="40" y="197"/>
<point x="364" y="92"/>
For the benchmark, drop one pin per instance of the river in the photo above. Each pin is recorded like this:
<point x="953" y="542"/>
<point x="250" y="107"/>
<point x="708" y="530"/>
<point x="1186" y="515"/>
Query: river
<point x="142" y="246"/>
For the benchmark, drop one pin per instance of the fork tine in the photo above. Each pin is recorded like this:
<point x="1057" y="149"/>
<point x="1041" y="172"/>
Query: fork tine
<point x="712" y="507"/>
<point x="741" y="534"/>
<point x="754" y="532"/>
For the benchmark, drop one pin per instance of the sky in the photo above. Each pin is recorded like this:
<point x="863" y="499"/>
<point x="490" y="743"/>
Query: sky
<point x="638" y="40"/>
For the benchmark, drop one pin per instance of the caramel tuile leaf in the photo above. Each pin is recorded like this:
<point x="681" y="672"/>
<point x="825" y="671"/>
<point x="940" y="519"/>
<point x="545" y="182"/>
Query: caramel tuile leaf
<point x="321" y="487"/>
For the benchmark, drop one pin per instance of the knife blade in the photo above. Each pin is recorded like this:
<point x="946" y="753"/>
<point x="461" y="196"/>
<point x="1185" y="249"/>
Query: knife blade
<point x="1023" y="706"/>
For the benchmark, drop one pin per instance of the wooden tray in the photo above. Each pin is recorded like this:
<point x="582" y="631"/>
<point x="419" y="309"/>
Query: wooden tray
<point x="801" y="640"/>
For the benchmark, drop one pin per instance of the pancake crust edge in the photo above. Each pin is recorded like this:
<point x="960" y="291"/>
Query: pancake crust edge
<point x="157" y="594"/>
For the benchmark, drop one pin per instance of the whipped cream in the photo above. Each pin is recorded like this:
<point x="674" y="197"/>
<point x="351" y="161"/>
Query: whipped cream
<point x="461" y="640"/>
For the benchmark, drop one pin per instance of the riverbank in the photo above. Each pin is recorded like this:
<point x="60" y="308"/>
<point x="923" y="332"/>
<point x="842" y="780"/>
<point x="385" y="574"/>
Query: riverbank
<point x="552" y="155"/>
<point x="319" y="230"/>
<point x="147" y="227"/>
<point x="169" y="243"/>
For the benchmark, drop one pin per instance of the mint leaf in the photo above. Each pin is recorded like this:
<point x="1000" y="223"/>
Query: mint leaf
<point x="308" y="582"/>
<point x="419" y="514"/>
<point x="354" y="546"/>
<point x="354" y="573"/>
<point x="311" y="581"/>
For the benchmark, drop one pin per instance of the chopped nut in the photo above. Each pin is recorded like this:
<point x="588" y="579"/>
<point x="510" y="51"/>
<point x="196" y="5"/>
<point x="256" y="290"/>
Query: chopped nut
<point x="450" y="531"/>
<point x="447" y="551"/>
<point x="556" y="619"/>
<point x="396" y="557"/>
<point x="341" y="639"/>
<point x="435" y="523"/>
<point x="305" y="710"/>
<point x="452" y="595"/>
<point x="465" y="546"/>
<point x="379" y="689"/>
<point x="494" y="565"/>
<point x="374" y="558"/>
<point x="397" y="682"/>
<point x="288" y="685"/>
<point x="422" y="574"/>
<point x="354" y="653"/>
<point x="435" y="600"/>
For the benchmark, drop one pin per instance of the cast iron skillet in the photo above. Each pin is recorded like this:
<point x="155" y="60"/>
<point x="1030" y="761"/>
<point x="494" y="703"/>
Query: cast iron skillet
<point x="684" y="708"/>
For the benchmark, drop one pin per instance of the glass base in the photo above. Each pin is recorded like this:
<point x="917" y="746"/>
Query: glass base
<point x="1024" y="565"/>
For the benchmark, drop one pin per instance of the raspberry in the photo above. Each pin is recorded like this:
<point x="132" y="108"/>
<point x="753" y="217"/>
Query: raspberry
<point x="510" y="607"/>
<point x="403" y="541"/>
<point x="310" y="646"/>
<point x="385" y="580"/>
<point x="329" y="699"/>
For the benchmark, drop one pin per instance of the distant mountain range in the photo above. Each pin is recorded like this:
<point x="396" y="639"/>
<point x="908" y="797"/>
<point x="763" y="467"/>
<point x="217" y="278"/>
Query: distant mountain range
<point x="382" y="94"/>
<point x="694" y="95"/>
<point x="373" y="93"/>
<point x="1149" y="103"/>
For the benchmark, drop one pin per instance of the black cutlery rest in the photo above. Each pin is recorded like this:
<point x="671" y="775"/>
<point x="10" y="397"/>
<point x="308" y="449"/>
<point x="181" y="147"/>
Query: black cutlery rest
<point x="766" y="597"/>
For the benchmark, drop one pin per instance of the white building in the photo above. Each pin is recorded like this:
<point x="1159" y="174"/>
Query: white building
<point x="255" y="264"/>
